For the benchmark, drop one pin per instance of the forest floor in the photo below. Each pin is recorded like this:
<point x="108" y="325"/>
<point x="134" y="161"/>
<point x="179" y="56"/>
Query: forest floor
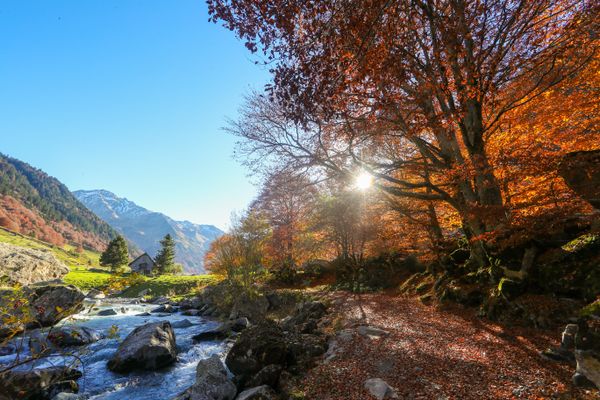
<point x="438" y="353"/>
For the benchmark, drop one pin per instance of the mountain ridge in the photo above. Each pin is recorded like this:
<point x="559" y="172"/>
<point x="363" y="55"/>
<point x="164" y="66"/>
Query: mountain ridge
<point x="39" y="205"/>
<point x="145" y="228"/>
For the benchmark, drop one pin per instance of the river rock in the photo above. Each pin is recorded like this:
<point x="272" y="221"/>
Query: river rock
<point x="68" y="396"/>
<point x="95" y="294"/>
<point x="191" y="312"/>
<point x="258" y="393"/>
<point x="212" y="382"/>
<point x="379" y="389"/>
<point x="239" y="324"/>
<point x="73" y="336"/>
<point x="26" y="266"/>
<point x="184" y="323"/>
<point x="42" y="383"/>
<point x="144" y="314"/>
<point x="52" y="303"/>
<point x="106" y="313"/>
<point x="149" y="347"/>
<point x="220" y="332"/>
<point x="165" y="308"/>
<point x="193" y="303"/>
<point x="160" y="300"/>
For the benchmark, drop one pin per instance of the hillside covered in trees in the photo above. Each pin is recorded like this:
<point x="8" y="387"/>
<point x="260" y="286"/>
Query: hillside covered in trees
<point x="38" y="205"/>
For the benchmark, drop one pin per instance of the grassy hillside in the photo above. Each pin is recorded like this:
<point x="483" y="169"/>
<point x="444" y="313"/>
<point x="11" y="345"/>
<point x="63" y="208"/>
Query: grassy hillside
<point x="67" y="254"/>
<point x="29" y="193"/>
<point x="86" y="272"/>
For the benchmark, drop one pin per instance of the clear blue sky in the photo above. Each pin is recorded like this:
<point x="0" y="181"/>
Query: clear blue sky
<point x="128" y="96"/>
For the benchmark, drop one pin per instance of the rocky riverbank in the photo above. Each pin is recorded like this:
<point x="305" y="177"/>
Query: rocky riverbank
<point x="111" y="345"/>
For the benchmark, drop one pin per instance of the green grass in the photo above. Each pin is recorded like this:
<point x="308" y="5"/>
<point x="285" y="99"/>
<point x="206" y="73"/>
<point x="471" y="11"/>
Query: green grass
<point x="170" y="285"/>
<point x="86" y="279"/>
<point x="86" y="272"/>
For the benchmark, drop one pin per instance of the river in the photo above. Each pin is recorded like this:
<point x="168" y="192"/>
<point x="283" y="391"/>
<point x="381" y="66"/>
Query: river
<point x="98" y="383"/>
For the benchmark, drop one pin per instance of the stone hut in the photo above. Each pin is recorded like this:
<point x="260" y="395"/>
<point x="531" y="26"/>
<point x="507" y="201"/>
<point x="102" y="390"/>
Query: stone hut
<point x="144" y="264"/>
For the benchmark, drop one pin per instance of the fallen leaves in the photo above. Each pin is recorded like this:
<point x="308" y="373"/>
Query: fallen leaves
<point x="437" y="354"/>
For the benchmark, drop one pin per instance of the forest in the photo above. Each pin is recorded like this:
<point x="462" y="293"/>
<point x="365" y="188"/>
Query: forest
<point x="417" y="128"/>
<point x="443" y="149"/>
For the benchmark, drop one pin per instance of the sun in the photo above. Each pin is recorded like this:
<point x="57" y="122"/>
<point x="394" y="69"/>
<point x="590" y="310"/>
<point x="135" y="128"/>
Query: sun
<point x="363" y="181"/>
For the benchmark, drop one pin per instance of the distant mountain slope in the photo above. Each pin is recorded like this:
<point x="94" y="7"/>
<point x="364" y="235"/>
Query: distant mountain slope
<point x="36" y="204"/>
<point x="146" y="228"/>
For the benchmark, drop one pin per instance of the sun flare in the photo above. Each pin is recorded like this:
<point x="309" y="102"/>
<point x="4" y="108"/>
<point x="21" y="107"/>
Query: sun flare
<point x="363" y="181"/>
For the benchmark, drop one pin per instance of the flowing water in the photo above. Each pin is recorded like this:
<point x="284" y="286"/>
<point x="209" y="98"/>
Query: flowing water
<point x="100" y="383"/>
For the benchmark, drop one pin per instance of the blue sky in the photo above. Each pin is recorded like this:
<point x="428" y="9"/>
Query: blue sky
<point x="128" y="96"/>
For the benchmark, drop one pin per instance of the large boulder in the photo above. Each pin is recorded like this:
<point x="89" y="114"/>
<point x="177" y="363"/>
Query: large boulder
<point x="26" y="266"/>
<point x="43" y="383"/>
<point x="267" y="344"/>
<point x="73" y="336"/>
<point x="588" y="365"/>
<point x="252" y="307"/>
<point x="269" y="375"/>
<point x="379" y="389"/>
<point x="305" y="317"/>
<point x="191" y="303"/>
<point x="258" y="346"/>
<point x="212" y="382"/>
<point x="220" y="332"/>
<point x="581" y="172"/>
<point x="148" y="347"/>
<point x="258" y="393"/>
<point x="587" y="353"/>
<point x="52" y="303"/>
<point x="223" y="330"/>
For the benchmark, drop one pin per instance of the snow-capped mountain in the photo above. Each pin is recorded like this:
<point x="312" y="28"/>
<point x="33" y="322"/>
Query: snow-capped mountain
<point x="146" y="228"/>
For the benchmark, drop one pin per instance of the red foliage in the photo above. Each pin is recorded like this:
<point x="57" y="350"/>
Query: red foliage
<point x="18" y="218"/>
<point x="433" y="354"/>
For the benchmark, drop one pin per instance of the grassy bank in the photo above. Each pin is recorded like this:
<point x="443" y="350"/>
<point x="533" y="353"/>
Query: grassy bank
<point x="169" y="285"/>
<point x="86" y="279"/>
<point x="166" y="285"/>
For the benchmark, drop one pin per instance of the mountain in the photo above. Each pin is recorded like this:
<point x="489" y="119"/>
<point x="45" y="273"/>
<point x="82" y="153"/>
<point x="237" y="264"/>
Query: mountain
<point x="36" y="204"/>
<point x="146" y="228"/>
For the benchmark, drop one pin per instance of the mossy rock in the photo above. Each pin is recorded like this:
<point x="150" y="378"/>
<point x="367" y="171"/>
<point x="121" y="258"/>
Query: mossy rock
<point x="422" y="287"/>
<point x="591" y="310"/>
<point x="583" y="244"/>
<point x="466" y="294"/>
<point x="591" y="289"/>
<point x="510" y="288"/>
<point x="460" y="256"/>
<point x="426" y="298"/>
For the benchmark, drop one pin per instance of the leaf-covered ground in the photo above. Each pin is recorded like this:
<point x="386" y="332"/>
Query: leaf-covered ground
<point x="432" y="353"/>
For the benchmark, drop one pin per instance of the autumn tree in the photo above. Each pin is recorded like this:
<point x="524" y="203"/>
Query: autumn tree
<point x="433" y="79"/>
<point x="240" y="255"/>
<point x="287" y="202"/>
<point x="345" y="217"/>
